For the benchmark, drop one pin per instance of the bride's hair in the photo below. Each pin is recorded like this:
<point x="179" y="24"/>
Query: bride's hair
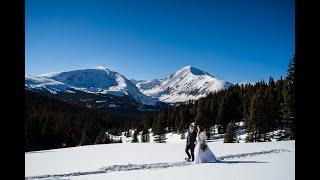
<point x="201" y="129"/>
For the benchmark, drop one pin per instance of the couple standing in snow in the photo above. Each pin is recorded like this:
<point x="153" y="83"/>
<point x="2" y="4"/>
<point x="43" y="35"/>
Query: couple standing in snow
<point x="196" y="144"/>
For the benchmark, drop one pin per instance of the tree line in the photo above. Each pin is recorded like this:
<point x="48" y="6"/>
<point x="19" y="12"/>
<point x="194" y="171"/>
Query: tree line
<point x="52" y="123"/>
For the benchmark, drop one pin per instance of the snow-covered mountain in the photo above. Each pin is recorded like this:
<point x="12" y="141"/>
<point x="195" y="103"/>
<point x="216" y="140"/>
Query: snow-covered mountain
<point x="188" y="83"/>
<point x="96" y="81"/>
<point x="100" y="83"/>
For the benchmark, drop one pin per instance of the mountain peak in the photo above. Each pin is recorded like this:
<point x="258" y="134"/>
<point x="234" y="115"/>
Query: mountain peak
<point x="187" y="67"/>
<point x="187" y="83"/>
<point x="192" y="70"/>
<point x="100" y="68"/>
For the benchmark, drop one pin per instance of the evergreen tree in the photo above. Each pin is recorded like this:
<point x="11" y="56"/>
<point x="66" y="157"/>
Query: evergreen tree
<point x="257" y="125"/>
<point x="279" y="102"/>
<point x="182" y="126"/>
<point x="250" y="122"/>
<point x="202" y="118"/>
<point x="273" y="104"/>
<point x="222" y="115"/>
<point x="159" y="129"/>
<point x="288" y="105"/>
<point x="177" y="119"/>
<point x="108" y="139"/>
<point x="145" y="136"/>
<point x="230" y="136"/>
<point x="100" y="138"/>
<point x="183" y="134"/>
<point x="135" y="136"/>
<point x="84" y="136"/>
<point x="128" y="134"/>
<point x="184" y="116"/>
<point x="213" y="108"/>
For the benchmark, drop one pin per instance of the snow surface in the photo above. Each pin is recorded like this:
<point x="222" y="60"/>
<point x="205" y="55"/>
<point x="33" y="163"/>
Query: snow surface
<point x="188" y="83"/>
<point x="145" y="161"/>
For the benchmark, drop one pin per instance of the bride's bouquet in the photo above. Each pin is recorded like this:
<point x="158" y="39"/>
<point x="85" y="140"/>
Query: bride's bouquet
<point x="203" y="146"/>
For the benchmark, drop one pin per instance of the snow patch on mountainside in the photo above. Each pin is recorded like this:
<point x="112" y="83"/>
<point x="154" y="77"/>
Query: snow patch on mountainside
<point x="246" y="83"/>
<point x="44" y="83"/>
<point x="137" y="81"/>
<point x="146" y="85"/>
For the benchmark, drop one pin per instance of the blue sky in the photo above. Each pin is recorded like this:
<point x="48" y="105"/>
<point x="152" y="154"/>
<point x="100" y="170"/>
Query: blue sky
<point x="232" y="40"/>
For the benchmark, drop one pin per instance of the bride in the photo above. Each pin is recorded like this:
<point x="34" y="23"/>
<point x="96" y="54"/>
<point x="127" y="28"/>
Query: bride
<point x="202" y="152"/>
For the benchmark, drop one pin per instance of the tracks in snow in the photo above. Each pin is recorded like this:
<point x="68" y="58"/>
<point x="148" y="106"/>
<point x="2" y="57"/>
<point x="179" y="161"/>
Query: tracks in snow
<point x="252" y="154"/>
<point x="130" y="167"/>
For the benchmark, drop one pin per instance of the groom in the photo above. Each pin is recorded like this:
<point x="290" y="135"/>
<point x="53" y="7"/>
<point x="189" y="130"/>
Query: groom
<point x="191" y="139"/>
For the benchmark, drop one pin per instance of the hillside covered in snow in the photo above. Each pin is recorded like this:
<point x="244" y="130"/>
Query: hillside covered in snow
<point x="100" y="84"/>
<point x="187" y="83"/>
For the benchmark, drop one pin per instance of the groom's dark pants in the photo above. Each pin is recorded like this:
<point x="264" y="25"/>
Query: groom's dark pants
<point x="191" y="148"/>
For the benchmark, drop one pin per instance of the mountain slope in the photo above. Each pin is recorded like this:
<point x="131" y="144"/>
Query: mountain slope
<point x="188" y="83"/>
<point x="43" y="83"/>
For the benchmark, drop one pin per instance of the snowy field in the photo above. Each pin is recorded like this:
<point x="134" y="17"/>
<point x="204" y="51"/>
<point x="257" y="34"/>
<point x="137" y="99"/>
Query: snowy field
<point x="153" y="161"/>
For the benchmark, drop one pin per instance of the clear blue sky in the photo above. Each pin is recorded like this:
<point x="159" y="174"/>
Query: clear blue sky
<point x="232" y="40"/>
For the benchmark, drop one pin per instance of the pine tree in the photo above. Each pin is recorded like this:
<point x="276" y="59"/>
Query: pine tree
<point x="100" y="139"/>
<point x="108" y="139"/>
<point x="181" y="126"/>
<point x="279" y="102"/>
<point x="185" y="117"/>
<point x="183" y="134"/>
<point x="250" y="122"/>
<point x="135" y="136"/>
<point x="213" y="108"/>
<point x="230" y="136"/>
<point x="177" y="119"/>
<point x="84" y="136"/>
<point x="222" y="116"/>
<point x="288" y="105"/>
<point x="202" y="117"/>
<point x="258" y="124"/>
<point x="159" y="129"/>
<point x="273" y="104"/>
<point x="145" y="136"/>
<point x="128" y="134"/>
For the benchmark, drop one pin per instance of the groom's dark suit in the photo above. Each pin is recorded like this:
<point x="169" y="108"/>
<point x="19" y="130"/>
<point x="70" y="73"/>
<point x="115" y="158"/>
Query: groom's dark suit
<point x="191" y="139"/>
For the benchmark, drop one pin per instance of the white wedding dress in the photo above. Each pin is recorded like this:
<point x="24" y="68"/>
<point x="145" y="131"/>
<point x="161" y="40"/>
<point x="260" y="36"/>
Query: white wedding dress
<point x="201" y="156"/>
